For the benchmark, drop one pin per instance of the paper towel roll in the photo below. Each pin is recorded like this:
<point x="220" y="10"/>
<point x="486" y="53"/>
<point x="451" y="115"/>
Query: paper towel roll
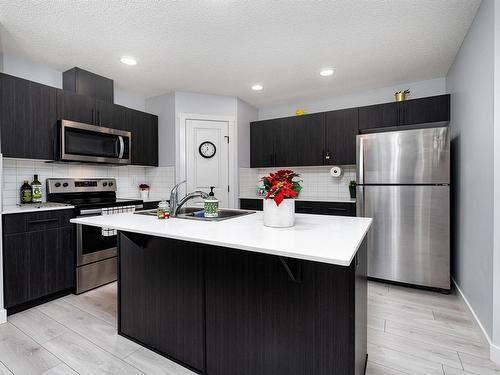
<point x="336" y="171"/>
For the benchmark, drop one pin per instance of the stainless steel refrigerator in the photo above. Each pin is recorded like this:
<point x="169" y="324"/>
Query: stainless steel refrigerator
<point x="403" y="182"/>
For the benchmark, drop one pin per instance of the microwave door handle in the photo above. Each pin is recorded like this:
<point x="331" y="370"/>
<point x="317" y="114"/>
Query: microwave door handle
<point x="122" y="147"/>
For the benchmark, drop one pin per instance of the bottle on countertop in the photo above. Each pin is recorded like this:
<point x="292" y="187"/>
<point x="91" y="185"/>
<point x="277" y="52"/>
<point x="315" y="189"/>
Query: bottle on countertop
<point x="36" y="190"/>
<point x="26" y="192"/>
<point x="211" y="205"/>
<point x="163" y="211"/>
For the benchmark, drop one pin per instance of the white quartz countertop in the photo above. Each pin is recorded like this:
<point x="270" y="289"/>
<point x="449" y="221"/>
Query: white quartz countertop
<point x="33" y="207"/>
<point x="320" y="238"/>
<point x="308" y="199"/>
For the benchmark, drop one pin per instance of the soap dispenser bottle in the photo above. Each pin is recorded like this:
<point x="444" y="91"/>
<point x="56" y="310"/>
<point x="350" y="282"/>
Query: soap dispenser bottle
<point x="211" y="207"/>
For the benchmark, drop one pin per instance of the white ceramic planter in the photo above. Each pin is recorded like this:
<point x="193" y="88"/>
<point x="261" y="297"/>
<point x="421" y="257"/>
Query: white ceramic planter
<point x="282" y="216"/>
<point x="144" y="195"/>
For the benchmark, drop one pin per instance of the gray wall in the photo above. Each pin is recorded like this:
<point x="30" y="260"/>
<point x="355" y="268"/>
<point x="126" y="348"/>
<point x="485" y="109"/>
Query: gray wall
<point x="44" y="74"/>
<point x="470" y="82"/>
<point x="164" y="107"/>
<point x="246" y="114"/>
<point x="418" y="89"/>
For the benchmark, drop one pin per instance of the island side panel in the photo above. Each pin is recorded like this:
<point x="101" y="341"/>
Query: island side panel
<point x="161" y="296"/>
<point x="261" y="322"/>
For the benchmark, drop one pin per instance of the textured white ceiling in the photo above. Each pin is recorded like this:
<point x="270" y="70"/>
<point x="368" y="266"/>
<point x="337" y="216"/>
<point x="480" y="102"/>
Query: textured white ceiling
<point x="224" y="46"/>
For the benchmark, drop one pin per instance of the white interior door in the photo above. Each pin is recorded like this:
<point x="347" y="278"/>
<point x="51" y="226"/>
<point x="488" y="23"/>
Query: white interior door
<point x="202" y="169"/>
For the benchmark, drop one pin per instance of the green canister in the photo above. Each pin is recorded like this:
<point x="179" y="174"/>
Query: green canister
<point x="211" y="206"/>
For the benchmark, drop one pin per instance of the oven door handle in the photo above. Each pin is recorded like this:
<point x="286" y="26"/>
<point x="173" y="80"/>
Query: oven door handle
<point x="93" y="211"/>
<point x="122" y="147"/>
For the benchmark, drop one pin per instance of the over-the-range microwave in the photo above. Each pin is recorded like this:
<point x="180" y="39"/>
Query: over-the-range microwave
<point x="89" y="143"/>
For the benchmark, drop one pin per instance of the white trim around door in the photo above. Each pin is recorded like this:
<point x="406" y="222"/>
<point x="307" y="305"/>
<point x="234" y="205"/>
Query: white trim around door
<point x="180" y="164"/>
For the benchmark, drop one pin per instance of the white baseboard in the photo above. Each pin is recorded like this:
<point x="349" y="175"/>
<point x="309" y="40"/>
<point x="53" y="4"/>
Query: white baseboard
<point x="495" y="353"/>
<point x="494" y="349"/>
<point x="3" y="316"/>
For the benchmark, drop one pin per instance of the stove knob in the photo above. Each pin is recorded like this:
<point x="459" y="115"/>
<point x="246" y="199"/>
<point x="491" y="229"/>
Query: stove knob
<point x="110" y="184"/>
<point x="104" y="184"/>
<point x="58" y="184"/>
<point x="65" y="184"/>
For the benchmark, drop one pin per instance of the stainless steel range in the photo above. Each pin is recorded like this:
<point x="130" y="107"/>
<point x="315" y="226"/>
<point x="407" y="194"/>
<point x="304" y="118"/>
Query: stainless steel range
<point x="96" y="262"/>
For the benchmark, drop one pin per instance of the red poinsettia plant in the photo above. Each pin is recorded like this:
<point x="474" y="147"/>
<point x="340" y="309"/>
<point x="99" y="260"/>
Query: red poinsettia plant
<point x="281" y="185"/>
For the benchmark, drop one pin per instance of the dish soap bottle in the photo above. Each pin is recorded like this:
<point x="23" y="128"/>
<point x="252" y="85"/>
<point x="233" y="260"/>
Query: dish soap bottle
<point x="37" y="190"/>
<point x="26" y="192"/>
<point x="163" y="211"/>
<point x="211" y="204"/>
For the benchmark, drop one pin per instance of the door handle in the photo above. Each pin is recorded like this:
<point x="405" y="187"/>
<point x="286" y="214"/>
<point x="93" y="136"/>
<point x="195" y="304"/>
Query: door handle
<point x="122" y="147"/>
<point x="32" y="222"/>
<point x="327" y="155"/>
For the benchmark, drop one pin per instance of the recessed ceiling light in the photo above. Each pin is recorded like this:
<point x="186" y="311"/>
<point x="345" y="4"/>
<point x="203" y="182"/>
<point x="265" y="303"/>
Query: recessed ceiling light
<point x="327" y="72"/>
<point x="128" y="60"/>
<point x="257" y="87"/>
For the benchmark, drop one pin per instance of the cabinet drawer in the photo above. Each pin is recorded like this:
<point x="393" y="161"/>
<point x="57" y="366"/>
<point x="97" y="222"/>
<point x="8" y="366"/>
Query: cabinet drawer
<point x="36" y="221"/>
<point x="339" y="208"/>
<point x="251" y="204"/>
<point x="308" y="207"/>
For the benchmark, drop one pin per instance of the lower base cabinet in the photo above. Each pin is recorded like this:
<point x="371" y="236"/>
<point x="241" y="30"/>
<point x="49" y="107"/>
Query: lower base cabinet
<point x="38" y="257"/>
<point x="221" y="311"/>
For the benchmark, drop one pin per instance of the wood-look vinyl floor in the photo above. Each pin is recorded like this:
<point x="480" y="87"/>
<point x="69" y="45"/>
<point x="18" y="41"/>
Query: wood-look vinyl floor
<point x="409" y="332"/>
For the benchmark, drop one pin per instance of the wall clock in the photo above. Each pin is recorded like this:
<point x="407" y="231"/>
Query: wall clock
<point x="207" y="149"/>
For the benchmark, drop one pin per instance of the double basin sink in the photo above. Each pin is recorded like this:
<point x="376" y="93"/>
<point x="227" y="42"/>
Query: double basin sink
<point x="197" y="213"/>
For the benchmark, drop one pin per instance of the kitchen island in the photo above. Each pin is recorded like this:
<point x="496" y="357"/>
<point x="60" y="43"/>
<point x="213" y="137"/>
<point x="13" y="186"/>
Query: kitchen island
<point x="237" y="298"/>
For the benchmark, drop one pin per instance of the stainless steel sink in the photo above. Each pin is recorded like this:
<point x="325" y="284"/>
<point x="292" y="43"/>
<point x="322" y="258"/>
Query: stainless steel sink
<point x="196" y="213"/>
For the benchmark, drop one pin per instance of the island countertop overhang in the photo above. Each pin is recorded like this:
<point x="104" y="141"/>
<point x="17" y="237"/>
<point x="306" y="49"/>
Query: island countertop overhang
<point x="319" y="238"/>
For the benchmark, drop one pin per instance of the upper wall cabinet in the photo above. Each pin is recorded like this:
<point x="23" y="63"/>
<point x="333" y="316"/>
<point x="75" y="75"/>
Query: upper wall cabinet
<point x="76" y="107"/>
<point x="409" y="112"/>
<point x="431" y="109"/>
<point x="330" y="137"/>
<point x="27" y="118"/>
<point x="340" y="136"/>
<point x="29" y="112"/>
<point x="302" y="141"/>
<point x="291" y="141"/>
<point x="263" y="139"/>
<point x="144" y="129"/>
<point x="87" y="83"/>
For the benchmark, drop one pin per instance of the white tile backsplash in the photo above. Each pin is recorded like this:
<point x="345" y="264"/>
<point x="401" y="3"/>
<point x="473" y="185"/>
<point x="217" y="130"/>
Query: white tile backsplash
<point x="128" y="178"/>
<point x="316" y="181"/>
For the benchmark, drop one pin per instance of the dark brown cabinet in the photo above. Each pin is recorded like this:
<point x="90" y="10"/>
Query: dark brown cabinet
<point x="329" y="138"/>
<point x="144" y="129"/>
<point x="341" y="129"/>
<point x="29" y="112"/>
<point x="409" y="112"/>
<point x="379" y="116"/>
<point x="27" y="118"/>
<point x="83" y="82"/>
<point x="424" y="110"/>
<point x="292" y="141"/>
<point x="38" y="257"/>
<point x="263" y="139"/>
<point x="161" y="296"/>
<point x="76" y="107"/>
<point x="303" y="140"/>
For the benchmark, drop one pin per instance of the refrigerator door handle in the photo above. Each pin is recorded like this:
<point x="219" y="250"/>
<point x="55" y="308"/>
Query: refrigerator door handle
<point x="361" y="156"/>
<point x="360" y="201"/>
